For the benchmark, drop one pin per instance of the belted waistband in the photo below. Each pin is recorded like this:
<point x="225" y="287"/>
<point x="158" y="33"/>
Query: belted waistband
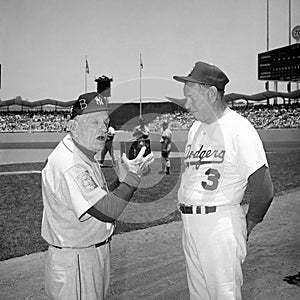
<point x="204" y="210"/>
<point x="96" y="245"/>
<point x="194" y="209"/>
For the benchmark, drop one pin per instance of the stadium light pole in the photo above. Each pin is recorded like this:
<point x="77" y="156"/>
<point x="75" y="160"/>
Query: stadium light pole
<point x="290" y="21"/>
<point x="267" y="25"/>
<point x="267" y="84"/>
<point x="268" y="29"/>
<point x="289" y="85"/>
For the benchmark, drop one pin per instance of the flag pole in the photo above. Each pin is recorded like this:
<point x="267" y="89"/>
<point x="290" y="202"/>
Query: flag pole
<point x="85" y="75"/>
<point x="141" y="67"/>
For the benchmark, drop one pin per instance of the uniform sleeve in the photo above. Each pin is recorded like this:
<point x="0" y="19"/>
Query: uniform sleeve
<point x="250" y="151"/>
<point x="262" y="194"/>
<point x="110" y="207"/>
<point x="82" y="191"/>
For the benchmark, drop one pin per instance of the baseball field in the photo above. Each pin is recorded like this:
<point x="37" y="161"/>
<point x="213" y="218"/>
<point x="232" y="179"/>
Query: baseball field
<point x="148" y="233"/>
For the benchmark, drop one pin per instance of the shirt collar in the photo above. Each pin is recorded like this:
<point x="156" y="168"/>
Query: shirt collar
<point x="88" y="153"/>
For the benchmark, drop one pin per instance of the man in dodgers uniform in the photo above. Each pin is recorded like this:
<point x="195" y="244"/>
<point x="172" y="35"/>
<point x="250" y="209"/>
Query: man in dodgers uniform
<point x="79" y="207"/>
<point x="223" y="155"/>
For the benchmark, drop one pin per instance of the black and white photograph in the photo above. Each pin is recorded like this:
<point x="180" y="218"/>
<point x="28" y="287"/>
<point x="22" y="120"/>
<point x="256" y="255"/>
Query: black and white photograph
<point x="149" y="150"/>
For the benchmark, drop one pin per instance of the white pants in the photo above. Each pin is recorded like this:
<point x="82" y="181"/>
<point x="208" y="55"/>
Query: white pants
<point x="73" y="274"/>
<point x="215" y="248"/>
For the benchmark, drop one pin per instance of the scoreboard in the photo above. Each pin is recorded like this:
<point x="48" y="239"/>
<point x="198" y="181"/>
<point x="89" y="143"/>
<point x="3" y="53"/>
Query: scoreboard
<point x="281" y="64"/>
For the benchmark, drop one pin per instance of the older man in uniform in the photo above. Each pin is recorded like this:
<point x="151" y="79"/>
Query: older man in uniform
<point x="80" y="208"/>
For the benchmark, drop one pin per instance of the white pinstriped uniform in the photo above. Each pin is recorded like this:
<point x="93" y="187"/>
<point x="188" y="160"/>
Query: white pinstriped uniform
<point x="71" y="185"/>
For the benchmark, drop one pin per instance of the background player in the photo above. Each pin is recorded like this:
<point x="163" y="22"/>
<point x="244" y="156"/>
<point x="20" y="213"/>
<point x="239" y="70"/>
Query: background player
<point x="141" y="136"/>
<point x="165" y="142"/>
<point x="141" y="131"/>
<point x="79" y="207"/>
<point x="108" y="145"/>
<point x="223" y="154"/>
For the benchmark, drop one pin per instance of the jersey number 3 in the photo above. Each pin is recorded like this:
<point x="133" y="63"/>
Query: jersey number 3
<point x="212" y="182"/>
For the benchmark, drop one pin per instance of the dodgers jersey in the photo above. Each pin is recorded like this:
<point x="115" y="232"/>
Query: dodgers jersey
<point x="71" y="185"/>
<point x="219" y="158"/>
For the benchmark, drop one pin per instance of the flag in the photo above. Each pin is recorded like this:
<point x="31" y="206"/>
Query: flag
<point x="141" y="62"/>
<point x="87" y="69"/>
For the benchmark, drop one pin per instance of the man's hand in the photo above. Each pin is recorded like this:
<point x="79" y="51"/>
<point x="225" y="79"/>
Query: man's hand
<point x="120" y="169"/>
<point x="140" y="163"/>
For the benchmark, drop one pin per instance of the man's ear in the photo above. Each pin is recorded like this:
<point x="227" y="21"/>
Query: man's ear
<point x="213" y="93"/>
<point x="74" y="127"/>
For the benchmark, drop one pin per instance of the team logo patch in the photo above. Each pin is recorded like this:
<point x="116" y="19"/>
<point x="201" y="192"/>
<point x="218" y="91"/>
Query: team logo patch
<point x="87" y="182"/>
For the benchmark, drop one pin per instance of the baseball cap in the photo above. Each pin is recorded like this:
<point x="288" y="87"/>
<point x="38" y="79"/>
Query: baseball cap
<point x="206" y="74"/>
<point x="89" y="103"/>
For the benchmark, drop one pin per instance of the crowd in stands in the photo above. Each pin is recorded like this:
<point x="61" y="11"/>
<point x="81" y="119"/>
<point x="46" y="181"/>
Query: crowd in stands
<point x="33" y="121"/>
<point x="261" y="116"/>
<point x="276" y="116"/>
<point x="179" y="120"/>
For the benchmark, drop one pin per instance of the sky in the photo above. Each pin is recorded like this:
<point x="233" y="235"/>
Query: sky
<point x="43" y="44"/>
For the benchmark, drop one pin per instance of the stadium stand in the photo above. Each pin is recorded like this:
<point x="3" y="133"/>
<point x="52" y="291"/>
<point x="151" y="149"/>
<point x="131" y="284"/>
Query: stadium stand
<point x="33" y="121"/>
<point x="261" y="116"/>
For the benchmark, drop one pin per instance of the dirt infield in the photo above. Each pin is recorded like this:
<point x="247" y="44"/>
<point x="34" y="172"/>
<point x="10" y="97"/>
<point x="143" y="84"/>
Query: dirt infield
<point x="149" y="264"/>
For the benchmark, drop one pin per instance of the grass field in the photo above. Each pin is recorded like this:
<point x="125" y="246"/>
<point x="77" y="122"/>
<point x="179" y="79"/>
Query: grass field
<point x="21" y="203"/>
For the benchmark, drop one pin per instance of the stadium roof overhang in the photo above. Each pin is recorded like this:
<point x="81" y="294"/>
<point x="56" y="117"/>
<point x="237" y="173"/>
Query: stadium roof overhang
<point x="262" y="96"/>
<point x="18" y="101"/>
<point x="228" y="97"/>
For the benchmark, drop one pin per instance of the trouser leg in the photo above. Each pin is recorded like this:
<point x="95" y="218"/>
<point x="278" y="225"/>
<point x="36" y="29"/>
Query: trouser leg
<point x="218" y="245"/>
<point x="168" y="165"/>
<point x="195" y="276"/>
<point x="163" y="164"/>
<point x="95" y="273"/>
<point x="77" y="274"/>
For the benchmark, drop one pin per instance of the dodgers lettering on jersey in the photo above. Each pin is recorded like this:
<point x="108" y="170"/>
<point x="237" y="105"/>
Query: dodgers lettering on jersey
<point x="203" y="156"/>
<point x="217" y="161"/>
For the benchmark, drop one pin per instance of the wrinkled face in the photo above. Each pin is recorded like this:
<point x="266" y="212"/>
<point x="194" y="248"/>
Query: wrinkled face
<point x="91" y="130"/>
<point x="197" y="101"/>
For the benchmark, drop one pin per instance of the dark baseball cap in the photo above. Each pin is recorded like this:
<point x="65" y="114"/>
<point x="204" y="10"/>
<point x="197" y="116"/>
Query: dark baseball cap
<point x="89" y="103"/>
<point x="206" y="74"/>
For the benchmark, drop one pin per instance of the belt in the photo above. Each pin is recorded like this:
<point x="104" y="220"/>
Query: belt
<point x="194" y="209"/>
<point x="96" y="245"/>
